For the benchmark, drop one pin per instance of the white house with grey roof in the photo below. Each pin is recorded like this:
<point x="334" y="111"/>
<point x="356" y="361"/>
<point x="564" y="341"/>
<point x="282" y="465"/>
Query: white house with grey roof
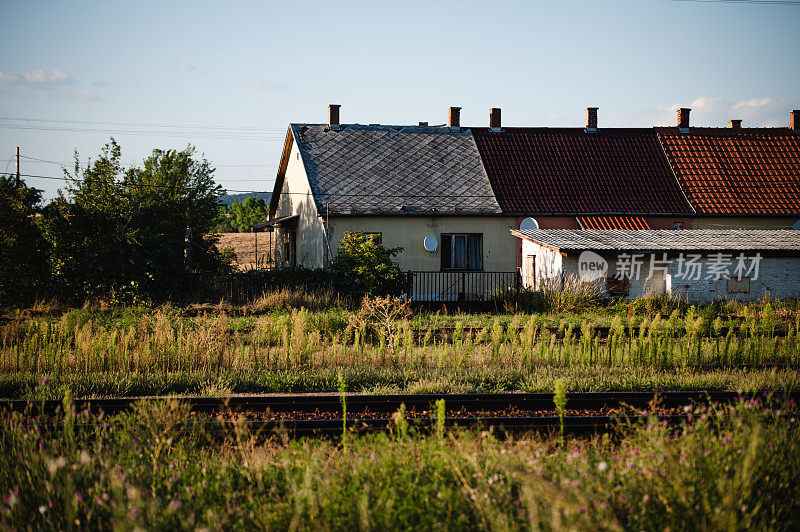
<point x="400" y="183"/>
<point x="701" y="265"/>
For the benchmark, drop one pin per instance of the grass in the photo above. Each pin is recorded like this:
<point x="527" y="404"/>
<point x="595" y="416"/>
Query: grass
<point x="733" y="467"/>
<point x="132" y="351"/>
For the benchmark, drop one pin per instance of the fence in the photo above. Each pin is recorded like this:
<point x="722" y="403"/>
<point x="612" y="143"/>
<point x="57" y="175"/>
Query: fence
<point x="461" y="286"/>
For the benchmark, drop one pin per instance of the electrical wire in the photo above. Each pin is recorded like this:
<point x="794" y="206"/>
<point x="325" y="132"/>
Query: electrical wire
<point x="142" y="124"/>
<point x="346" y="195"/>
<point x="65" y="163"/>
<point x="182" y="134"/>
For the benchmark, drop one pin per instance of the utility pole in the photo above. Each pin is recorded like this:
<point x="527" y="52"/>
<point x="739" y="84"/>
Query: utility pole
<point x="18" y="179"/>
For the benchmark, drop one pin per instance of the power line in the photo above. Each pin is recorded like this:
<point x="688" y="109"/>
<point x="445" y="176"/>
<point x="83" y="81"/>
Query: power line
<point x="131" y="185"/>
<point x="345" y="195"/>
<point x="143" y="124"/>
<point x="67" y="163"/>
<point x="337" y="194"/>
<point x="244" y="136"/>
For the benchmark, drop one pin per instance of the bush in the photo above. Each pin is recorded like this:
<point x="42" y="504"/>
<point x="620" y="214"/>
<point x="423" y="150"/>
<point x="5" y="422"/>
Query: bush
<point x="363" y="266"/>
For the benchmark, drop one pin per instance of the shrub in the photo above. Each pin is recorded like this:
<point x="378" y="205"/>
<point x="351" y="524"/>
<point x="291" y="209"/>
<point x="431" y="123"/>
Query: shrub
<point x="364" y="266"/>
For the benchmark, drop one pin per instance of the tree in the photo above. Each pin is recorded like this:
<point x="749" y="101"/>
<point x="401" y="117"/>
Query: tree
<point x="223" y="223"/>
<point x="247" y="213"/>
<point x="23" y="264"/>
<point x="364" y="266"/>
<point x="121" y="232"/>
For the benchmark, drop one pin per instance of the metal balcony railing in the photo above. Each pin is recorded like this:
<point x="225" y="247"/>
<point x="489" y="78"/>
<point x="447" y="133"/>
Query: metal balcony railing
<point x="461" y="285"/>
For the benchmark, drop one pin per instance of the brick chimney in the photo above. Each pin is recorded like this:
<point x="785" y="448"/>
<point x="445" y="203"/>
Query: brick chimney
<point x="455" y="118"/>
<point x="494" y="119"/>
<point x="735" y="124"/>
<point x="683" y="119"/>
<point x="591" y="119"/>
<point x="333" y="115"/>
<point x="794" y="119"/>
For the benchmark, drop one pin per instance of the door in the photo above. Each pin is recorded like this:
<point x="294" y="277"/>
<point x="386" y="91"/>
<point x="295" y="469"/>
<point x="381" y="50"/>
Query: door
<point x="529" y="272"/>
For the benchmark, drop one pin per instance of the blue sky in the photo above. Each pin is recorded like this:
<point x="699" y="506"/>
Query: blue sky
<point x="228" y="77"/>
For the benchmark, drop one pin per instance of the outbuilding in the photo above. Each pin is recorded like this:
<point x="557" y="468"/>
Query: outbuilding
<point x="701" y="265"/>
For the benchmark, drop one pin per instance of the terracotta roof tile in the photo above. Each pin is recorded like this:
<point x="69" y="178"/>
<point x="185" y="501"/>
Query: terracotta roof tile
<point x="613" y="222"/>
<point x="736" y="171"/>
<point x="569" y="171"/>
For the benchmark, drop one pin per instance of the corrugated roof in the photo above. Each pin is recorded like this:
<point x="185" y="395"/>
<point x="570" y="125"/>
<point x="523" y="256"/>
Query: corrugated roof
<point x="394" y="169"/>
<point x="570" y="171"/>
<point x="736" y="171"/>
<point x="664" y="240"/>
<point x="612" y="222"/>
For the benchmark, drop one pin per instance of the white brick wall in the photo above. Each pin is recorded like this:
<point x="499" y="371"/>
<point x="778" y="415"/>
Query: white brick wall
<point x="778" y="276"/>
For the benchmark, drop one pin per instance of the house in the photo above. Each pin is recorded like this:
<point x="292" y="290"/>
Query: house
<point x="422" y="188"/>
<point x="448" y="195"/>
<point x="700" y="264"/>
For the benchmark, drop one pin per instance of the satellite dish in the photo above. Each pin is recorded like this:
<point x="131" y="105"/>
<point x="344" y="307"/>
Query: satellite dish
<point x="528" y="224"/>
<point x="431" y="243"/>
<point x="796" y="225"/>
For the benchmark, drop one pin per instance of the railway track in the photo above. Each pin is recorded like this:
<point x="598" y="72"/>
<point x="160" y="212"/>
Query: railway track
<point x="320" y="414"/>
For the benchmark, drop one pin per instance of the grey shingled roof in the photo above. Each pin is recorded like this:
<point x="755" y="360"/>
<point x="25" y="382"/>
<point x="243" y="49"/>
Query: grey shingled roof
<point x="394" y="169"/>
<point x="664" y="240"/>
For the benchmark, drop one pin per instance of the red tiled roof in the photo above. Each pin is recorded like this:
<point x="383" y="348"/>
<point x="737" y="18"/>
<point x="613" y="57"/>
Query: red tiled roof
<point x="613" y="222"/>
<point x="569" y="171"/>
<point x="736" y="171"/>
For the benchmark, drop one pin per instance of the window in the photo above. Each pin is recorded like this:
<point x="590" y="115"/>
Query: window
<point x="677" y="225"/>
<point x="462" y="251"/>
<point x="739" y="286"/>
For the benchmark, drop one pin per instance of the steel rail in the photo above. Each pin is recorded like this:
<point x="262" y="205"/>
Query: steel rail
<point x="385" y="403"/>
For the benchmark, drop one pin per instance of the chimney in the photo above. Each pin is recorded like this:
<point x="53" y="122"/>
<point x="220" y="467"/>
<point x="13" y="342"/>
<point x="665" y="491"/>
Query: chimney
<point x="683" y="119"/>
<point x="455" y="117"/>
<point x="794" y="119"/>
<point x="333" y="115"/>
<point x="735" y="124"/>
<point x="494" y="119"/>
<point x="591" y="119"/>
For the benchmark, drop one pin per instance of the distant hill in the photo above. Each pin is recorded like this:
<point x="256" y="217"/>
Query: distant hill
<point x="237" y="198"/>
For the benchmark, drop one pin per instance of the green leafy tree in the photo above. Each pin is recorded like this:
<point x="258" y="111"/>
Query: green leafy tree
<point x="223" y="223"/>
<point x="87" y="229"/>
<point x="364" y="266"/>
<point x="23" y="264"/>
<point x="121" y="232"/>
<point x="247" y="213"/>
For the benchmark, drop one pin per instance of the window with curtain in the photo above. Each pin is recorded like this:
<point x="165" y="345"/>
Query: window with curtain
<point x="462" y="251"/>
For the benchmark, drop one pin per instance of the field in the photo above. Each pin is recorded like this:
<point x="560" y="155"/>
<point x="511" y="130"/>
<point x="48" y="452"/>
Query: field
<point x="244" y="246"/>
<point x="727" y="467"/>
<point x="268" y="348"/>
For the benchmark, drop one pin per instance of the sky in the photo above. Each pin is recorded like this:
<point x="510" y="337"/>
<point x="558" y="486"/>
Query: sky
<point x="228" y="77"/>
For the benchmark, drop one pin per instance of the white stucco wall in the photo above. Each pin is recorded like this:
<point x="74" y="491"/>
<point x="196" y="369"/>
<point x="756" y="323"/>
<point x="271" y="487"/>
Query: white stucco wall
<point x="296" y="199"/>
<point x="548" y="265"/>
<point x="408" y="232"/>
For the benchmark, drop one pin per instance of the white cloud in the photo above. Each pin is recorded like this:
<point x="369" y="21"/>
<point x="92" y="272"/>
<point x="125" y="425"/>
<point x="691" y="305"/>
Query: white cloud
<point x="41" y="83"/>
<point x="186" y="65"/>
<point x="39" y="76"/>
<point x="708" y="111"/>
